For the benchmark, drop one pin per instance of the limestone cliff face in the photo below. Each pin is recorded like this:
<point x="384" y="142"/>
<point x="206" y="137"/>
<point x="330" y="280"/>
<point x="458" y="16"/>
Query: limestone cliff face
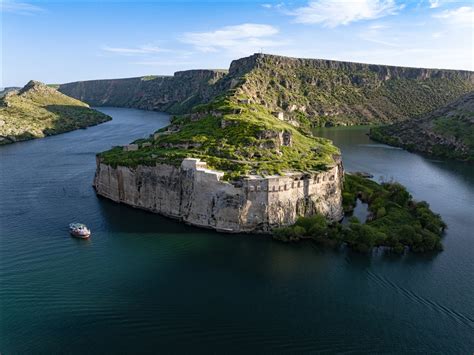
<point x="174" y="94"/>
<point x="199" y="196"/>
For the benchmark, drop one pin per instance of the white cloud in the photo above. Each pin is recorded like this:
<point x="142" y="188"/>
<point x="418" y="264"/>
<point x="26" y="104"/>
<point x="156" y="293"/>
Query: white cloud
<point x="19" y="8"/>
<point x="270" y="6"/>
<point x="240" y="39"/>
<point x="461" y="17"/>
<point x="145" y="49"/>
<point x="377" y="27"/>
<point x="434" y="4"/>
<point x="334" y="13"/>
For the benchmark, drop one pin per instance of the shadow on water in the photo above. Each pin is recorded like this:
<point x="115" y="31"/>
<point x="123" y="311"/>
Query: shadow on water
<point x="71" y="117"/>
<point x="123" y="218"/>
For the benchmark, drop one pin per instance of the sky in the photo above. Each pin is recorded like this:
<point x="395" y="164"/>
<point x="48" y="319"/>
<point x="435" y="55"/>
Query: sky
<point x="62" y="41"/>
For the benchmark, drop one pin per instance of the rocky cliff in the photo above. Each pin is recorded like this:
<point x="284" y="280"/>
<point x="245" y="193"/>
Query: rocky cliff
<point x="37" y="110"/>
<point x="199" y="196"/>
<point x="304" y="91"/>
<point x="174" y="94"/>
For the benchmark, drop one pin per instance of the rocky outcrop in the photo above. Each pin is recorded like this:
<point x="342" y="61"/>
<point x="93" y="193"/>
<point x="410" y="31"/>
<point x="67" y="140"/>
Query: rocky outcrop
<point x="200" y="197"/>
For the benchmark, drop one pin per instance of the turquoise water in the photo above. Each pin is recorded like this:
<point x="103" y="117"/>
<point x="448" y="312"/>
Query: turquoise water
<point x="144" y="283"/>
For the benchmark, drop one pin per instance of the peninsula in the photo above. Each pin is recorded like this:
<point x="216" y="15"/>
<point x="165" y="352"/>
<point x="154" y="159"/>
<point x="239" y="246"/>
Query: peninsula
<point x="38" y="110"/>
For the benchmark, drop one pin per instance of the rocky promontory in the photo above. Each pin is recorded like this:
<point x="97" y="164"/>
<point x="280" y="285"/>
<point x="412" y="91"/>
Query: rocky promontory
<point x="230" y="165"/>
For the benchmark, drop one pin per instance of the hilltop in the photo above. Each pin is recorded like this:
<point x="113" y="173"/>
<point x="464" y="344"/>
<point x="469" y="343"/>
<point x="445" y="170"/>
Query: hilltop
<point x="447" y="132"/>
<point x="37" y="111"/>
<point x="231" y="135"/>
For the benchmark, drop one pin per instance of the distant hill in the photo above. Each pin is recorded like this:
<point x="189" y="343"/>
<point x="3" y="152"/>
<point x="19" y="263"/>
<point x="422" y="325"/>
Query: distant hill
<point x="306" y="91"/>
<point x="447" y="132"/>
<point x="37" y="110"/>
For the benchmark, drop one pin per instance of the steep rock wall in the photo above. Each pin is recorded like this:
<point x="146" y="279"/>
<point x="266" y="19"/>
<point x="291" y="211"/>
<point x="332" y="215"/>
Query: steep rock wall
<point x="198" y="196"/>
<point x="174" y="94"/>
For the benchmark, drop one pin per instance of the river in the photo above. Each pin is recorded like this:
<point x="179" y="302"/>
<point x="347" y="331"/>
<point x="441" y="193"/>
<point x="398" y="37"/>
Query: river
<point x="145" y="283"/>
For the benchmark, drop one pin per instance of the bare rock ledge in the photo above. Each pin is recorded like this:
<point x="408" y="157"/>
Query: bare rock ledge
<point x="200" y="197"/>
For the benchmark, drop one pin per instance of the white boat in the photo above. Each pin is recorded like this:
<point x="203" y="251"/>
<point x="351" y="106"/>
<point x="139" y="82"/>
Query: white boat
<point x="79" y="230"/>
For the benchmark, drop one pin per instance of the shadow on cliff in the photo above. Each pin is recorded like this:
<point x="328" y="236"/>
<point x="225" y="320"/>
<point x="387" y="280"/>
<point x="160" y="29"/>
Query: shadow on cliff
<point x="122" y="218"/>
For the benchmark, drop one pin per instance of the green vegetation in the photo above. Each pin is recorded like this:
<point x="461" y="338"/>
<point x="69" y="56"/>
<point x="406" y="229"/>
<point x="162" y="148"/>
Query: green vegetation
<point x="395" y="221"/>
<point x="149" y="77"/>
<point x="233" y="137"/>
<point x="38" y="110"/>
<point x="447" y="132"/>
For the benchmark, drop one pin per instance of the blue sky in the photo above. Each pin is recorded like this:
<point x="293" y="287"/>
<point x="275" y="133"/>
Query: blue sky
<point x="62" y="41"/>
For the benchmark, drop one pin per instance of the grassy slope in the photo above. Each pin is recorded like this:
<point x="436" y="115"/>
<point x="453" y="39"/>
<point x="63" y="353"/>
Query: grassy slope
<point x="447" y="132"/>
<point x="238" y="148"/>
<point x="38" y="110"/>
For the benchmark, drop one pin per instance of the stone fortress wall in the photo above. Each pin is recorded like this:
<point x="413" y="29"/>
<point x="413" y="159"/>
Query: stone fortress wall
<point x="199" y="196"/>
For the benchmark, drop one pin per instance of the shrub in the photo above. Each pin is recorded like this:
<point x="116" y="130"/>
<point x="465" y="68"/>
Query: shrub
<point x="398" y="221"/>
